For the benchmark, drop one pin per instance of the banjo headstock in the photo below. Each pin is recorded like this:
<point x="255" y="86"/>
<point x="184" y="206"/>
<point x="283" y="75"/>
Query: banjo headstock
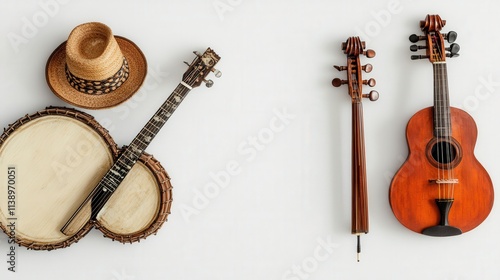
<point x="200" y="67"/>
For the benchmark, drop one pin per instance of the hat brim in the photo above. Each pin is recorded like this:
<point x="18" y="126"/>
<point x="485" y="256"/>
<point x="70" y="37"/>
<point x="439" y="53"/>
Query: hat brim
<point x="56" y="78"/>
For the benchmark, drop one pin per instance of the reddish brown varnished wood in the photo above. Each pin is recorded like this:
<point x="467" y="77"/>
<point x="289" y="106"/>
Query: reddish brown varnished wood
<point x="440" y="197"/>
<point x="359" y="213"/>
<point x="412" y="196"/>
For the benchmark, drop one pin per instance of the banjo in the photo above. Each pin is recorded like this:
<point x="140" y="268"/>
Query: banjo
<point x="66" y="175"/>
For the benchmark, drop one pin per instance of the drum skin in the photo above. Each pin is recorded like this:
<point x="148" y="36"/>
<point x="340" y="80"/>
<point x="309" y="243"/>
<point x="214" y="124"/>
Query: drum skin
<point x="60" y="155"/>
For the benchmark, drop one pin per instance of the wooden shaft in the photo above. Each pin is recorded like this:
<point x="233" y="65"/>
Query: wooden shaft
<point x="358" y="172"/>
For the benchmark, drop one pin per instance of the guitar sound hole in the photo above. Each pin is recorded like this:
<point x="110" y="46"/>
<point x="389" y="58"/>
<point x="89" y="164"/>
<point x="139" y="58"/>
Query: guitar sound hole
<point x="444" y="152"/>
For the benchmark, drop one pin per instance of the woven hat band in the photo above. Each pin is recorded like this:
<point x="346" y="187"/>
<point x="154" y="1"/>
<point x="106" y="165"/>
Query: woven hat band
<point x="99" y="87"/>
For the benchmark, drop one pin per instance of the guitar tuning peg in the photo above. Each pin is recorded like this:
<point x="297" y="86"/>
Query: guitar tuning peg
<point x="187" y="63"/>
<point x="369" y="53"/>
<point x="415" y="57"/>
<point x="217" y="73"/>
<point x="338" y="82"/>
<point x="197" y="53"/>
<point x="451" y="36"/>
<point x="209" y="83"/>
<point x="370" y="82"/>
<point x="367" y="68"/>
<point x="373" y="95"/>
<point x="415" y="38"/>
<point x="340" y="68"/>
<point x="453" y="49"/>
<point x="415" y="48"/>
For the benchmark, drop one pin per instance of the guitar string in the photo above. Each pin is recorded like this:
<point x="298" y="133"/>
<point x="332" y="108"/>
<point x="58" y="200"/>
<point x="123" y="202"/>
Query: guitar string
<point x="445" y="126"/>
<point x="447" y="120"/>
<point x="451" y="152"/>
<point x="440" y="122"/>
<point x="437" y="122"/>
<point x="445" y="132"/>
<point x="105" y="181"/>
<point x="437" y="82"/>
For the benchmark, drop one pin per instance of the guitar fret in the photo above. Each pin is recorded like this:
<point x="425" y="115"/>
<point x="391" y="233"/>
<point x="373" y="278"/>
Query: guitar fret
<point x="126" y="162"/>
<point x="145" y="129"/>
<point x="172" y="105"/>
<point x="166" y="112"/>
<point x="148" y="131"/>
<point x="186" y="85"/>
<point x="146" y="139"/>
<point x="108" y="184"/>
<point x="155" y="126"/>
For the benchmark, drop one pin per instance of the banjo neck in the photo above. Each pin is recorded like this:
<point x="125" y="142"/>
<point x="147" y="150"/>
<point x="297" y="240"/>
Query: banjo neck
<point x="133" y="151"/>
<point x="197" y="71"/>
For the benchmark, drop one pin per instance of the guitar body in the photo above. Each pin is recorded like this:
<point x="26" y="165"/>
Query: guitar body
<point x="413" y="193"/>
<point x="59" y="156"/>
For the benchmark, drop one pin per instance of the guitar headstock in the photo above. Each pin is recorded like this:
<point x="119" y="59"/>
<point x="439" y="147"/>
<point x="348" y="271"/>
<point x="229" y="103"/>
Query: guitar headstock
<point x="353" y="48"/>
<point x="434" y="40"/>
<point x="199" y="69"/>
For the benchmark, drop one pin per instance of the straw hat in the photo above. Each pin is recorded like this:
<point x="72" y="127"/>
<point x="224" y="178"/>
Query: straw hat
<point x="94" y="69"/>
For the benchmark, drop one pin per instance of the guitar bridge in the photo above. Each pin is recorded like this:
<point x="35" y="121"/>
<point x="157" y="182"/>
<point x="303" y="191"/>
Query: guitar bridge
<point x="444" y="181"/>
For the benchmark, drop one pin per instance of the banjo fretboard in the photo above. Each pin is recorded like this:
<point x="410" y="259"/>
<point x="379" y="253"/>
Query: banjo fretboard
<point x="131" y="154"/>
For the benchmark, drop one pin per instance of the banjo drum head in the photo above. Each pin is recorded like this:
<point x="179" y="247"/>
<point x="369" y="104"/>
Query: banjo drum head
<point x="57" y="156"/>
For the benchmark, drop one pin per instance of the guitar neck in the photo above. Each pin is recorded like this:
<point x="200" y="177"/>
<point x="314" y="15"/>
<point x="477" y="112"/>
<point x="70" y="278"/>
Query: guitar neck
<point x="132" y="152"/>
<point x="442" y="118"/>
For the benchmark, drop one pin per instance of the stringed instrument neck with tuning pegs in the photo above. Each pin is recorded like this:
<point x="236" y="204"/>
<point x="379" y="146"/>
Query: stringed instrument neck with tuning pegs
<point x="353" y="48"/>
<point x="441" y="189"/>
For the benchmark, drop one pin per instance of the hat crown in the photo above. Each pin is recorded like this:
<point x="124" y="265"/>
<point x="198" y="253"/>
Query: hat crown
<point x="92" y="52"/>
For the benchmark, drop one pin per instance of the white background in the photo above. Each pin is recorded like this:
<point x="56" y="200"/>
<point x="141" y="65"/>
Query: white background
<point x="293" y="194"/>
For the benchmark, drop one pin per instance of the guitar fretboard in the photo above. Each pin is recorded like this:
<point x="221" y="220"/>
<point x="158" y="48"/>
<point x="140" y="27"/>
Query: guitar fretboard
<point x="131" y="154"/>
<point x="442" y="118"/>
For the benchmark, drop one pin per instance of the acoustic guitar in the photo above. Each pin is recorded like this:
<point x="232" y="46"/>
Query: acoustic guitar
<point x="68" y="175"/>
<point x="441" y="189"/>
